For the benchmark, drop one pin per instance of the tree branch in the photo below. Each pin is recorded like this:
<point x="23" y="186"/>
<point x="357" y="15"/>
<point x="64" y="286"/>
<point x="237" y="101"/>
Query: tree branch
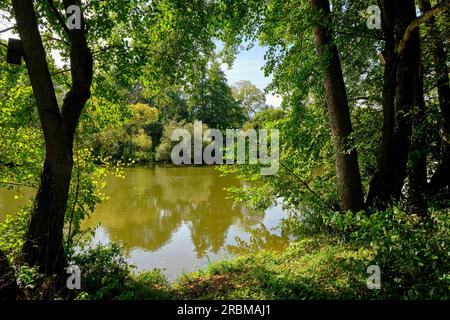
<point x="60" y="71"/>
<point x="58" y="16"/>
<point x="7" y="29"/>
<point x="37" y="66"/>
<point x="16" y="184"/>
<point x="55" y="39"/>
<point x="439" y="8"/>
<point x="305" y="184"/>
<point x="81" y="63"/>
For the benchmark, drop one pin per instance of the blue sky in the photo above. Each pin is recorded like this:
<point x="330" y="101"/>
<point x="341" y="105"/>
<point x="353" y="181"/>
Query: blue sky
<point x="248" y="66"/>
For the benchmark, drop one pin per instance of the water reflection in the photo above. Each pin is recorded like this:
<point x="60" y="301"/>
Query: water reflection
<point x="176" y="219"/>
<point x="151" y="204"/>
<point x="13" y="199"/>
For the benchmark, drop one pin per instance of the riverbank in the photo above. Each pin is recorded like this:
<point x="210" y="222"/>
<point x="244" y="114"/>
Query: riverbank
<point x="411" y="256"/>
<point x="313" y="268"/>
<point x="406" y="258"/>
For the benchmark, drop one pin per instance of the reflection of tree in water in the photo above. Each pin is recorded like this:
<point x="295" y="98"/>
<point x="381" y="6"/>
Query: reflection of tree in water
<point x="150" y="205"/>
<point x="261" y="238"/>
<point x="211" y="221"/>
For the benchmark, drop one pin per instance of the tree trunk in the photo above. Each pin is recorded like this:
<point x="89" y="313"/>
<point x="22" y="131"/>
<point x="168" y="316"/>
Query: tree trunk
<point x="400" y="76"/>
<point x="417" y="201"/>
<point x="380" y="190"/>
<point x="347" y="168"/>
<point x="441" y="177"/>
<point x="44" y="244"/>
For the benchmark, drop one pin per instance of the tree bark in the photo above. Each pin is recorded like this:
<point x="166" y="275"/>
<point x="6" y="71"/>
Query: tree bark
<point x="380" y="190"/>
<point x="347" y="168"/>
<point x="441" y="177"/>
<point x="417" y="200"/>
<point x="401" y="75"/>
<point x="44" y="244"/>
<point x="408" y="78"/>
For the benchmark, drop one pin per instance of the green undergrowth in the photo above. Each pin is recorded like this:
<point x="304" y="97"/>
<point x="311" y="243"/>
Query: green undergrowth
<point x="313" y="268"/>
<point x="411" y="252"/>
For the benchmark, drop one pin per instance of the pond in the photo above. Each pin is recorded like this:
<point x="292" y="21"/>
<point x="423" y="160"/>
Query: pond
<point x="178" y="219"/>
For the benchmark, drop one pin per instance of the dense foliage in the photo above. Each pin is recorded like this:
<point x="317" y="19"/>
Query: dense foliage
<point x="364" y="140"/>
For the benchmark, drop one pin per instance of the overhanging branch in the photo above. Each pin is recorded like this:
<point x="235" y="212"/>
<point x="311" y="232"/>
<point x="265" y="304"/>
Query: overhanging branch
<point x="439" y="8"/>
<point x="7" y="29"/>
<point x="58" y="16"/>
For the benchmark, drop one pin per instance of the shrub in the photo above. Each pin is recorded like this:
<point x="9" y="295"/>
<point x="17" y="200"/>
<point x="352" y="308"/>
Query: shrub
<point x="106" y="275"/>
<point x="149" y="285"/>
<point x="104" y="271"/>
<point x="413" y="252"/>
<point x="12" y="232"/>
<point x="133" y="139"/>
<point x="163" y="151"/>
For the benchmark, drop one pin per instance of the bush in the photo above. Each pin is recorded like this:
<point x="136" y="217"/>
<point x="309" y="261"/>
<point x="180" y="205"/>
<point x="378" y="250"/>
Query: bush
<point x="104" y="271"/>
<point x="12" y="232"/>
<point x="413" y="252"/>
<point x="106" y="275"/>
<point x="163" y="151"/>
<point x="132" y="140"/>
<point x="149" y="285"/>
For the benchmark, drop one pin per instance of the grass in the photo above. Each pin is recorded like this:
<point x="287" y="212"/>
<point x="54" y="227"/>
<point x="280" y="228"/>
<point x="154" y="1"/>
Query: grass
<point x="313" y="268"/>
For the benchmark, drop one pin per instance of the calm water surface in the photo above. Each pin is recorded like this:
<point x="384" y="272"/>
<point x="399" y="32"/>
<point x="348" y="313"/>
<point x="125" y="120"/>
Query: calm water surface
<point x="175" y="219"/>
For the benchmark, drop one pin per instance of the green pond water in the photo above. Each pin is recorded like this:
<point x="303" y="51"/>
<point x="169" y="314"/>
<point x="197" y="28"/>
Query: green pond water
<point x="177" y="219"/>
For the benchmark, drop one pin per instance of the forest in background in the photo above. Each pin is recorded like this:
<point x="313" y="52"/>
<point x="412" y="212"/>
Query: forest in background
<point x="364" y="139"/>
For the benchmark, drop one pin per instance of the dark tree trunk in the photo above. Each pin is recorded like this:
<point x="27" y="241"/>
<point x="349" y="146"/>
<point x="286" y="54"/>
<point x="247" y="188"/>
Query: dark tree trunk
<point x="408" y="79"/>
<point x="347" y="168"/>
<point x="417" y="201"/>
<point x="43" y="246"/>
<point x="380" y="191"/>
<point x="441" y="177"/>
<point x="401" y="76"/>
<point x="44" y="243"/>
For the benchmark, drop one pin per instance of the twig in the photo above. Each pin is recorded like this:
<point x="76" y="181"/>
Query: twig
<point x="306" y="186"/>
<point x="61" y="71"/>
<point x="58" y="16"/>
<point x="56" y="39"/>
<point x="7" y="29"/>
<point x="17" y="184"/>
